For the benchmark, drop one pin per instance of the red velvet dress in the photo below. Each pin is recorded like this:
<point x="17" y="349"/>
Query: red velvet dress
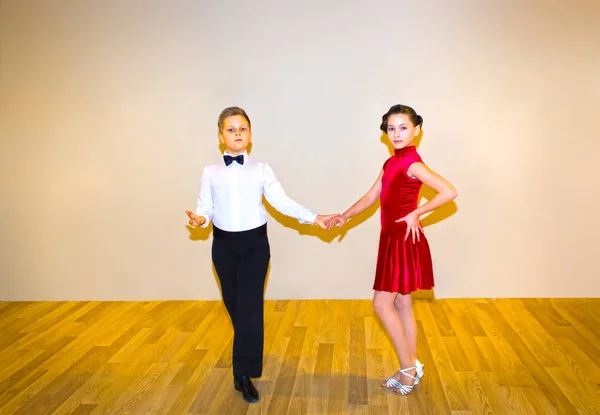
<point x="402" y="266"/>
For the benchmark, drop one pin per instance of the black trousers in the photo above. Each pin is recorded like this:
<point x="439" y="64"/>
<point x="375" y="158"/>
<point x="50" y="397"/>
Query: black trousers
<point x="241" y="260"/>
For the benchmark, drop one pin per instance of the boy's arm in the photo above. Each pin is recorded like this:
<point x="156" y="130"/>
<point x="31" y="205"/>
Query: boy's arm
<point x="275" y="195"/>
<point x="205" y="206"/>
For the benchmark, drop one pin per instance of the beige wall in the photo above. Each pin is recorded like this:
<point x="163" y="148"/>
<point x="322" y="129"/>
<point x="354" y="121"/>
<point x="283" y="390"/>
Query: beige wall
<point x="108" y="114"/>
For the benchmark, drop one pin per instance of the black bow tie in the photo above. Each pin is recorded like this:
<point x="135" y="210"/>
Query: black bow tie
<point x="230" y="159"/>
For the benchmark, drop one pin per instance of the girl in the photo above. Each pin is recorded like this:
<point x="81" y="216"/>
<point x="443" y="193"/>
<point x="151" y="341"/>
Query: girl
<point x="403" y="261"/>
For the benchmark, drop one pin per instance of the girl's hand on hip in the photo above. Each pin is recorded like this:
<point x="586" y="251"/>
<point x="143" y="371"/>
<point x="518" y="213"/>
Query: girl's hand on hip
<point x="412" y="226"/>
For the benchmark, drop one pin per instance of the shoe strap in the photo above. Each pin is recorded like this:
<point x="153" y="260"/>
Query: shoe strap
<point x="403" y="371"/>
<point x="393" y="383"/>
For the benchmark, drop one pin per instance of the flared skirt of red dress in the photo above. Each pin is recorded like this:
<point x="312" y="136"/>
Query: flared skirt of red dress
<point x="403" y="266"/>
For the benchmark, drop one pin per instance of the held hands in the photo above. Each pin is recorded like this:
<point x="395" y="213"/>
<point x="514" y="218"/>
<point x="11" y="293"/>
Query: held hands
<point x="412" y="225"/>
<point x="338" y="220"/>
<point x="325" y="221"/>
<point x="195" y="220"/>
<point x="330" y="221"/>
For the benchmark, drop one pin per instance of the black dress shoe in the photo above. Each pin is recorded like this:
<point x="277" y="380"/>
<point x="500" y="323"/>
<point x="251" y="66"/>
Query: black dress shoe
<point x="244" y="384"/>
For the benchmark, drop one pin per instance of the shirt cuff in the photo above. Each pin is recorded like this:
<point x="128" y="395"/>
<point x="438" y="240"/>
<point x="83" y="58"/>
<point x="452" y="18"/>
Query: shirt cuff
<point x="309" y="218"/>
<point x="207" y="220"/>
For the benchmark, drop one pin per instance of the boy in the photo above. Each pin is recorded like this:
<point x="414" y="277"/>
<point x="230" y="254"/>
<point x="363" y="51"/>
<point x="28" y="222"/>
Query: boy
<point x="231" y="196"/>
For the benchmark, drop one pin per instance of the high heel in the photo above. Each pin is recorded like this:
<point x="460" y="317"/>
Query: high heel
<point x="420" y="372"/>
<point x="405" y="389"/>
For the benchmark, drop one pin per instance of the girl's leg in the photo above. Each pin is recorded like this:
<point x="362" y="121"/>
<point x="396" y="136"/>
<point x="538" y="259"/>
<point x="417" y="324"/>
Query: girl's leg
<point x="383" y="302"/>
<point x="403" y="306"/>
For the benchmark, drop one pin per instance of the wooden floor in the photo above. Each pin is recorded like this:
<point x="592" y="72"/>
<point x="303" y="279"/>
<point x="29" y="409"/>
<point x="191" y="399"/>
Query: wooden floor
<point x="321" y="357"/>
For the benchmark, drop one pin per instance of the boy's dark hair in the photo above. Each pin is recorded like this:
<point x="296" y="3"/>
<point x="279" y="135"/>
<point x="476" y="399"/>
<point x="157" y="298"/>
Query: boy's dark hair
<point x="229" y="112"/>
<point x="416" y="119"/>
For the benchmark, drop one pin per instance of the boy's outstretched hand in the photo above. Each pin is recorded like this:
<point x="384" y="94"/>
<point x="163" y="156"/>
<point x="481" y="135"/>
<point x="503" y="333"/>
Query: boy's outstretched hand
<point x="195" y="220"/>
<point x="325" y="221"/>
